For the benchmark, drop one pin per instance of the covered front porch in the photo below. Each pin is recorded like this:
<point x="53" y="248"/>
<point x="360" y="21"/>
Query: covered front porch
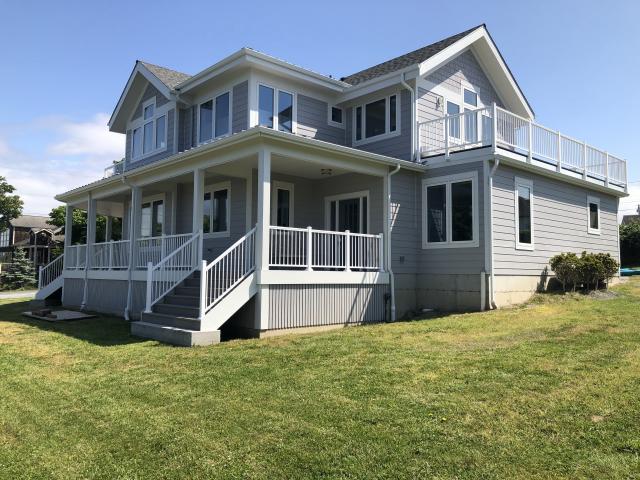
<point x="280" y="215"/>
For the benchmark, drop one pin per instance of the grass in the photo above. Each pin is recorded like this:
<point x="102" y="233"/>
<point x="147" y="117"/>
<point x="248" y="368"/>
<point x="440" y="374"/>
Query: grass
<point x="549" y="390"/>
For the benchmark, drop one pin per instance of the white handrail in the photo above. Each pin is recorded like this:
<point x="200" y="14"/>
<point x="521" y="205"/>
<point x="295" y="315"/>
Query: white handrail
<point x="452" y="133"/>
<point x="155" y="249"/>
<point x="110" y="255"/>
<point x="50" y="272"/>
<point x="228" y="270"/>
<point x="311" y="249"/>
<point x="172" y="270"/>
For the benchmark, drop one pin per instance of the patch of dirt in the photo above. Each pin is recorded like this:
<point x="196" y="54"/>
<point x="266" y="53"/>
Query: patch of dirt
<point x="603" y="294"/>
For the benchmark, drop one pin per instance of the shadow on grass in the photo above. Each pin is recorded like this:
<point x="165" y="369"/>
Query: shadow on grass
<point x="101" y="330"/>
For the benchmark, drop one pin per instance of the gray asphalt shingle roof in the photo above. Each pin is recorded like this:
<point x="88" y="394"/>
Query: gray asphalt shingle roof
<point x="169" y="77"/>
<point x="406" y="60"/>
<point x="32" y="221"/>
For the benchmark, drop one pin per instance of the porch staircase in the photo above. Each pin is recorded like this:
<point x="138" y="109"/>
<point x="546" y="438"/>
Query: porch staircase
<point x="179" y="317"/>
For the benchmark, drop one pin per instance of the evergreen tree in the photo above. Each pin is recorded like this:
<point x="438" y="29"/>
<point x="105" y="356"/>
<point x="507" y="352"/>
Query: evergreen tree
<point x="19" y="274"/>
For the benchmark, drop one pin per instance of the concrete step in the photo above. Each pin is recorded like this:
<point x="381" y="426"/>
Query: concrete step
<point x="176" y="310"/>
<point x="174" y="336"/>
<point x="186" y="300"/>
<point x="171" y="321"/>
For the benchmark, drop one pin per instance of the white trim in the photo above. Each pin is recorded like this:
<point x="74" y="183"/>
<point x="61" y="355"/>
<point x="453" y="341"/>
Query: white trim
<point x="347" y="196"/>
<point x="210" y="189"/>
<point x="302" y="277"/>
<point x="278" y="185"/>
<point x="387" y="122"/>
<point x="447" y="180"/>
<point x="595" y="200"/>
<point x="330" y="120"/>
<point x="212" y="99"/>
<point x="518" y="181"/>
<point x="276" y="97"/>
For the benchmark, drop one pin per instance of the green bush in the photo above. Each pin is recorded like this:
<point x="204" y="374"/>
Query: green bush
<point x="19" y="274"/>
<point x="589" y="270"/>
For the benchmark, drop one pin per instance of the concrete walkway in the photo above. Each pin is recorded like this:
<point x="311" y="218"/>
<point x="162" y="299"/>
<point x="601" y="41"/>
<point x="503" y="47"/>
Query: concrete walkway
<point x="19" y="294"/>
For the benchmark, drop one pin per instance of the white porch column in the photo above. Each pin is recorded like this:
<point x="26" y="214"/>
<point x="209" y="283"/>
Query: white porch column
<point x="68" y="231"/>
<point x="198" y="205"/>
<point x="108" y="233"/>
<point x="262" y="237"/>
<point x="91" y="239"/>
<point x="135" y="218"/>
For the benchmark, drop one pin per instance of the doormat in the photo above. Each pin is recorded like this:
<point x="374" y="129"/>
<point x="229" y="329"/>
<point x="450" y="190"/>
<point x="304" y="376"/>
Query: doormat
<point x="56" y="316"/>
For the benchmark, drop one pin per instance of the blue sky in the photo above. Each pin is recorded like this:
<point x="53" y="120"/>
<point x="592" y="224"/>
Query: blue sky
<point x="64" y="65"/>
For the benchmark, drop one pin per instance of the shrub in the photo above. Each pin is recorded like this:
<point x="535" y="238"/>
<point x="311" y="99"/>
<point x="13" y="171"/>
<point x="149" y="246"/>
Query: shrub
<point x="589" y="270"/>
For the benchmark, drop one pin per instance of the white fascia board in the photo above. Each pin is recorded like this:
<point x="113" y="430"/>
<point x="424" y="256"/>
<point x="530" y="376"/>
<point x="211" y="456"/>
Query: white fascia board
<point x="479" y="37"/>
<point x="150" y="77"/>
<point x="379" y="83"/>
<point x="246" y="56"/>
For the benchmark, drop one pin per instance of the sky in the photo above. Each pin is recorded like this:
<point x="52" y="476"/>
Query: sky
<point x="64" y="65"/>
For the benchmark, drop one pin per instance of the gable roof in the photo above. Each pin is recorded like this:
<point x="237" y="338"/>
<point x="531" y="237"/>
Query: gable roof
<point x="406" y="60"/>
<point x="169" y="77"/>
<point x="32" y="221"/>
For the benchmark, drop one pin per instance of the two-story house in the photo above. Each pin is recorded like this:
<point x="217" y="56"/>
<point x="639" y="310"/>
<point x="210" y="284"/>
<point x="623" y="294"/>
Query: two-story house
<point x="264" y="195"/>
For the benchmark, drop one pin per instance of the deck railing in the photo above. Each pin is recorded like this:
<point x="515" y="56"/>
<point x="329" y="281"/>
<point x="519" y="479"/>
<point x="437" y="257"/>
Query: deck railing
<point x="172" y="270"/>
<point x="310" y="249"/>
<point x="110" y="255"/>
<point x="154" y="249"/>
<point x="116" y="168"/>
<point x="486" y="126"/>
<point x="75" y="257"/>
<point x="50" y="272"/>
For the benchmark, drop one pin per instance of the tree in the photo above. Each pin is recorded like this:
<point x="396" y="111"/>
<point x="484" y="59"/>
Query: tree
<point x="19" y="274"/>
<point x="79" y="228"/>
<point x="10" y="205"/>
<point x="630" y="244"/>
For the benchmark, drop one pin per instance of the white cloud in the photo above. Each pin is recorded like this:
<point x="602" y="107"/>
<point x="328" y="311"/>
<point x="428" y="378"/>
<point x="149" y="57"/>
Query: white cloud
<point x="76" y="155"/>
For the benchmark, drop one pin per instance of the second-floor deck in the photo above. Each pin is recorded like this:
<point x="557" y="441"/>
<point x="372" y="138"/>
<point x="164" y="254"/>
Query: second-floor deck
<point x="533" y="143"/>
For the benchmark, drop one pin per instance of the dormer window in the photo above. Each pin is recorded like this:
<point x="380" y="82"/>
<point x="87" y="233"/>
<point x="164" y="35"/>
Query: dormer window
<point x="149" y="134"/>
<point x="214" y="118"/>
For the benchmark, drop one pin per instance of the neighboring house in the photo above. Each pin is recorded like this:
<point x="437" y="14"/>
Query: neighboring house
<point x="626" y="219"/>
<point x="33" y="234"/>
<point x="269" y="197"/>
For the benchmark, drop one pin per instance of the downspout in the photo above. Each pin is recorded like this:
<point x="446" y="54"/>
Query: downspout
<point x="414" y="148"/>
<point x="127" y="308"/>
<point x="492" y="303"/>
<point x="392" y="283"/>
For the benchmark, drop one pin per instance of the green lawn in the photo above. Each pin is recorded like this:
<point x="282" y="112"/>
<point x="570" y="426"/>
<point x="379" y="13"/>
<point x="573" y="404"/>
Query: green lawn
<point x="548" y="390"/>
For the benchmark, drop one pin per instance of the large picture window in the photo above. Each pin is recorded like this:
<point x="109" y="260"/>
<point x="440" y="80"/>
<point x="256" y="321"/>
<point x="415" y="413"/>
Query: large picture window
<point x="276" y="109"/>
<point x="216" y="210"/>
<point x="523" y="194"/>
<point x="450" y="211"/>
<point x="149" y="133"/>
<point x="214" y="118"/>
<point x="152" y="218"/>
<point x="376" y="119"/>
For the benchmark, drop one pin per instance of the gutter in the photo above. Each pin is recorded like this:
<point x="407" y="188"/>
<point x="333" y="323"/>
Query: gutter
<point x="492" y="302"/>
<point x="392" y="283"/>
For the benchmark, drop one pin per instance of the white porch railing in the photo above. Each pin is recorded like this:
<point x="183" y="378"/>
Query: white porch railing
<point x="50" y="272"/>
<point x="110" y="255"/>
<point x="114" y="169"/>
<point x="310" y="249"/>
<point x="154" y="249"/>
<point x="227" y="271"/>
<point x="478" y="128"/>
<point x="75" y="257"/>
<point x="172" y="270"/>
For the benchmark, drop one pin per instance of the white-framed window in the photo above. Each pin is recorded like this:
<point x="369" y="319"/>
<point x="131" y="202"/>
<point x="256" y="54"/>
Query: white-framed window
<point x="214" y="117"/>
<point x="335" y="116"/>
<point x="376" y="120"/>
<point x="152" y="217"/>
<point x="4" y="238"/>
<point x="347" y="211"/>
<point x="454" y="123"/>
<point x="149" y="132"/>
<point x="282" y="204"/>
<point x="216" y="212"/>
<point x="450" y="211"/>
<point x="523" y="206"/>
<point x="276" y="109"/>
<point x="593" y="215"/>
